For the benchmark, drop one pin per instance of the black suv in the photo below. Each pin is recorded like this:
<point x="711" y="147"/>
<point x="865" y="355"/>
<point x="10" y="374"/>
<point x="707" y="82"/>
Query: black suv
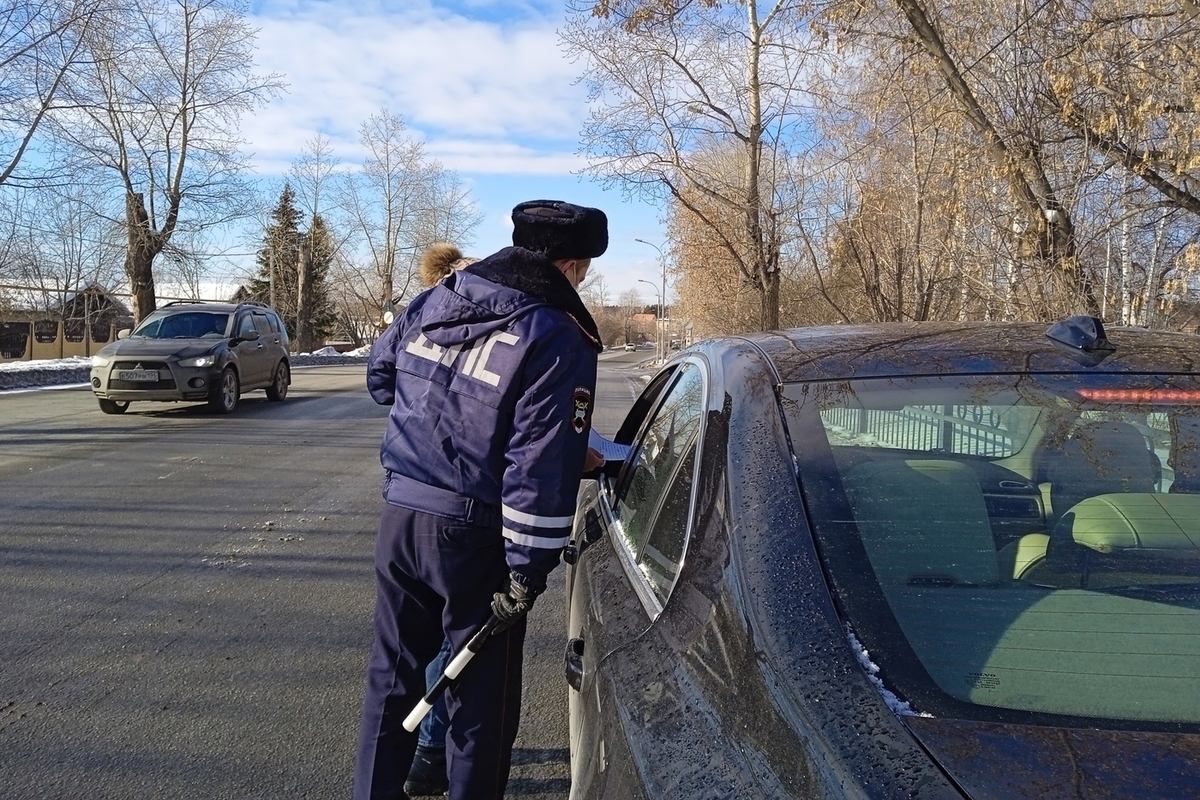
<point x="195" y="351"/>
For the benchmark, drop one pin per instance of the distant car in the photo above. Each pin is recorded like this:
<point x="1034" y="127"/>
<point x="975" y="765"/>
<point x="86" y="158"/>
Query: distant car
<point x="925" y="560"/>
<point x="195" y="351"/>
<point x="630" y="346"/>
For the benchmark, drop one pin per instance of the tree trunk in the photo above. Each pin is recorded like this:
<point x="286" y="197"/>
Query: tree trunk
<point x="389" y="291"/>
<point x="766" y="272"/>
<point x="304" y="289"/>
<point x="1126" y="270"/>
<point x="142" y="247"/>
<point x="769" y="312"/>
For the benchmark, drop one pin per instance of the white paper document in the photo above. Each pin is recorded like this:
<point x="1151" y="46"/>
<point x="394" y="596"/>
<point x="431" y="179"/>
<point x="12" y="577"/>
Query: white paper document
<point x="607" y="448"/>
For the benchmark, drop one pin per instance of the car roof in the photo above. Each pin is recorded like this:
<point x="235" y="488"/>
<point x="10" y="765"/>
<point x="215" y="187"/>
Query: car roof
<point x="933" y="348"/>
<point x="180" y="306"/>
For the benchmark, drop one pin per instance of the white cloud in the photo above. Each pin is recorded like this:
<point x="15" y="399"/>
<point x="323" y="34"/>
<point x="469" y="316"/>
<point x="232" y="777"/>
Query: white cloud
<point x="483" y="83"/>
<point x="503" y="158"/>
<point x="473" y="89"/>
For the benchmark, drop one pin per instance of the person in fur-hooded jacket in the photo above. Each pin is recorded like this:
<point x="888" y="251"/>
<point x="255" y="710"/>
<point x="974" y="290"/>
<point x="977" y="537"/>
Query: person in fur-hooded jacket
<point x="490" y="376"/>
<point x="427" y="775"/>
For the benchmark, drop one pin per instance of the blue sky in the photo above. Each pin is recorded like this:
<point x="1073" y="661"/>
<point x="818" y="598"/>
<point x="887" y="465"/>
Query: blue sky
<point x="485" y="85"/>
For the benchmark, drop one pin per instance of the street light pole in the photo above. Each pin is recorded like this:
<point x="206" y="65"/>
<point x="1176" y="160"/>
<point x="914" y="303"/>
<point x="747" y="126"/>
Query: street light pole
<point x="662" y="303"/>
<point x="660" y="352"/>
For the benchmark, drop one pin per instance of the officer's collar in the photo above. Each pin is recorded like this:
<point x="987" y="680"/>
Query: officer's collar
<point x="533" y="274"/>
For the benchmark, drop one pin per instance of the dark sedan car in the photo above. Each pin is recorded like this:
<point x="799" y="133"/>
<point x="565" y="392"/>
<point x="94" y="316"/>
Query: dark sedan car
<point x="891" y="561"/>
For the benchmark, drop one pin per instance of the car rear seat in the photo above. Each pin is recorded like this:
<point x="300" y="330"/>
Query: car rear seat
<point x="922" y="521"/>
<point x="1100" y="457"/>
<point x="1164" y="524"/>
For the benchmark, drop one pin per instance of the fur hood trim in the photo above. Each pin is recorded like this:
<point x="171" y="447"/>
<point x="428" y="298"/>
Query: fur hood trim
<point x="440" y="260"/>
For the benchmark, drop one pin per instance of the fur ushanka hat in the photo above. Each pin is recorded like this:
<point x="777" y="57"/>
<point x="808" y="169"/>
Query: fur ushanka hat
<point x="560" y="230"/>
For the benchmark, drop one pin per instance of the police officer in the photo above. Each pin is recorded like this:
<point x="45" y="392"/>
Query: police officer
<point x="490" y="375"/>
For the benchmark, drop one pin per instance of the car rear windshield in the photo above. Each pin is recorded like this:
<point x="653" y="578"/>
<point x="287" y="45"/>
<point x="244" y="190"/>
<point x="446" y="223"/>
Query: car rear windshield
<point x="1014" y="547"/>
<point x="189" y="325"/>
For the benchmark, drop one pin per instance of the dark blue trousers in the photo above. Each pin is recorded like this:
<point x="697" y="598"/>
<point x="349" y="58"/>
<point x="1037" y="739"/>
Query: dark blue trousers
<point x="435" y="577"/>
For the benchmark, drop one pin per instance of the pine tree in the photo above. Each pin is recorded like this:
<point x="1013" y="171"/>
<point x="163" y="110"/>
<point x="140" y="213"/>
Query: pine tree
<point x="276" y="260"/>
<point x="324" y="250"/>
<point x="279" y="254"/>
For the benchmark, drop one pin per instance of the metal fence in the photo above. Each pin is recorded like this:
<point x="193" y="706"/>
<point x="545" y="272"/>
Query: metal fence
<point x="963" y="429"/>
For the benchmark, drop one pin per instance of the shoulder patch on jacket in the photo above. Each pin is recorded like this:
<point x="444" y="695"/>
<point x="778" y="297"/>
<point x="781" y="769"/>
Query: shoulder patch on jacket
<point x="581" y="409"/>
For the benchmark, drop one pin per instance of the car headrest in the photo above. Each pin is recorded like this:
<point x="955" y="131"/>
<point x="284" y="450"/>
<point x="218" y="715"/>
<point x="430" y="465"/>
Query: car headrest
<point x="1108" y="447"/>
<point x="1110" y="523"/>
<point x="1101" y="457"/>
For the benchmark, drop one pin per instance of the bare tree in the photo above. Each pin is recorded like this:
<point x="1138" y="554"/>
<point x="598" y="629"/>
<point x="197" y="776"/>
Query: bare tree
<point x="382" y="202"/>
<point x="594" y="292"/>
<point x="676" y="83"/>
<point x="448" y="214"/>
<point x="312" y="174"/>
<point x="630" y="303"/>
<point x="157" y="116"/>
<point x="42" y="42"/>
<point x="55" y="244"/>
<point x="1060" y="98"/>
<point x="1049" y="225"/>
<point x="394" y="207"/>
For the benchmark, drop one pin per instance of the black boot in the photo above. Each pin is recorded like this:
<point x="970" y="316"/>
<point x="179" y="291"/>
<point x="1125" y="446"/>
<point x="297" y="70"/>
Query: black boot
<point x="428" y="773"/>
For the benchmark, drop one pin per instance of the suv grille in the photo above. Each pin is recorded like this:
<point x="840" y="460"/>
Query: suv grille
<point x="165" y="379"/>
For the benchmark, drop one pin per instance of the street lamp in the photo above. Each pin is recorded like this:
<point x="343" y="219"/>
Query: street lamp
<point x="660" y="352"/>
<point x="662" y="303"/>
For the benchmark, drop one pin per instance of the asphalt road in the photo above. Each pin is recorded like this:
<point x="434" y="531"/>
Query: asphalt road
<point x="185" y="599"/>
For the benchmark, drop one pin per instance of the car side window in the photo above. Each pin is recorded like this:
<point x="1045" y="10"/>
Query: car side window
<point x="657" y="488"/>
<point x="643" y="405"/>
<point x="662" y="556"/>
<point x="245" y="324"/>
<point x="263" y="324"/>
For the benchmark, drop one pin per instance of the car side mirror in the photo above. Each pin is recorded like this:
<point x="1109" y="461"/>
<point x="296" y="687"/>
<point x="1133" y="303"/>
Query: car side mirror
<point x="248" y="336"/>
<point x="124" y="333"/>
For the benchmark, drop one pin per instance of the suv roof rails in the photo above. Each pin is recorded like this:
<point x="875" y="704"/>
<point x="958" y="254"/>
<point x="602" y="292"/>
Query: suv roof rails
<point x="255" y="303"/>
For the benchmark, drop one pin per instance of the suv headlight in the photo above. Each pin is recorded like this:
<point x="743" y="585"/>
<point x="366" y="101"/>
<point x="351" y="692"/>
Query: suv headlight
<point x="100" y="361"/>
<point x="199" y="361"/>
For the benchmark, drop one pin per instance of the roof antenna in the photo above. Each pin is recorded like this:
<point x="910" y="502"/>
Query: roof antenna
<point x="1083" y="337"/>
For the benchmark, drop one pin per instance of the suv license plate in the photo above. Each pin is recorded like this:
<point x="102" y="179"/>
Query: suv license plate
<point x="147" y="375"/>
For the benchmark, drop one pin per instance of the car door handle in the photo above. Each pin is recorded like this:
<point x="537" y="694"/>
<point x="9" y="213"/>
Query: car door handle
<point x="589" y="535"/>
<point x="574" y="663"/>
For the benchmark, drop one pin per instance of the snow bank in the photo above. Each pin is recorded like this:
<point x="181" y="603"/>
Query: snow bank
<point x="75" y="371"/>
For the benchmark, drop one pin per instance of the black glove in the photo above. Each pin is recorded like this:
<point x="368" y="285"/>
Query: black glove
<point x="512" y="604"/>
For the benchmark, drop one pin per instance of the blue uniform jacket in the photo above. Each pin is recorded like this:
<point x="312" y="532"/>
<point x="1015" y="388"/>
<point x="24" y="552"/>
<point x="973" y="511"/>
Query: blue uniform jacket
<point x="490" y="375"/>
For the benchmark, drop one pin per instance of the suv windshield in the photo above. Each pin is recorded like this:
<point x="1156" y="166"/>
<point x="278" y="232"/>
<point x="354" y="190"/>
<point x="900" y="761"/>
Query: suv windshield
<point x="1009" y="547"/>
<point x="184" y="325"/>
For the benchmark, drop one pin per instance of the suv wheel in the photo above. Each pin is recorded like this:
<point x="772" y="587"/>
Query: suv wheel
<point x="112" y="406"/>
<point x="279" y="386"/>
<point x="226" y="393"/>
